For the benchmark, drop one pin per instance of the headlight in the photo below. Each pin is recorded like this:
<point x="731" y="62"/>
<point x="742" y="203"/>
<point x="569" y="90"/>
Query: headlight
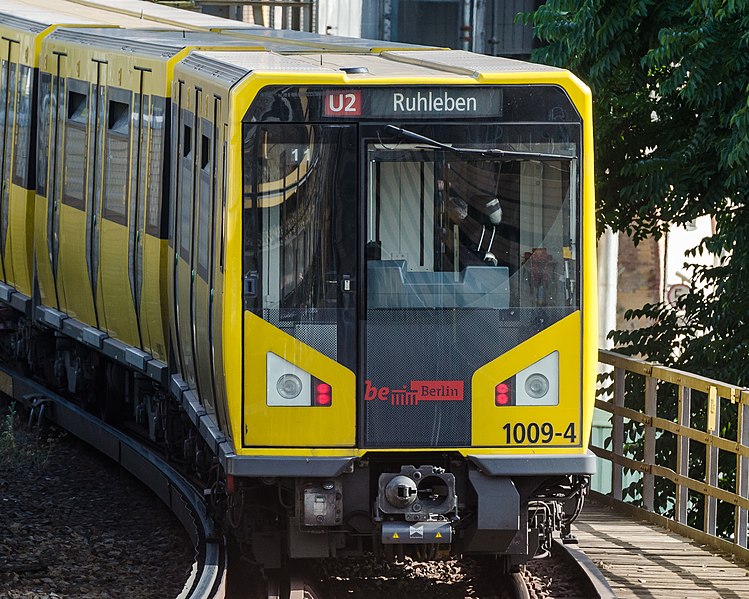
<point x="289" y="386"/>
<point x="537" y="385"/>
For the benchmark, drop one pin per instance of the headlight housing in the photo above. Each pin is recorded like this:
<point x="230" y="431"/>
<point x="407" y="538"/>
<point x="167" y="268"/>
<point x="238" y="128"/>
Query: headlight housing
<point x="537" y="385"/>
<point x="290" y="386"/>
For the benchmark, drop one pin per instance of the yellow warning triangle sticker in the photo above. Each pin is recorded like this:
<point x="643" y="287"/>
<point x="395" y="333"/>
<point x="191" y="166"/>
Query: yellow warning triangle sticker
<point x="438" y="535"/>
<point x="395" y="536"/>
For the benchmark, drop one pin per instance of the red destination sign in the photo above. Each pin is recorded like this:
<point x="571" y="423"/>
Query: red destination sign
<point x="343" y="103"/>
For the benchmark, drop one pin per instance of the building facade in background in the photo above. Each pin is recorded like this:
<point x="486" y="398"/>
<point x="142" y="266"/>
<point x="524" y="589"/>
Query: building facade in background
<point x="484" y="26"/>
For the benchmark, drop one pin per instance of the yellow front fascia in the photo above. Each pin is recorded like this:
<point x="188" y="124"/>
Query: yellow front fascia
<point x="243" y="425"/>
<point x="488" y="420"/>
<point x="330" y="426"/>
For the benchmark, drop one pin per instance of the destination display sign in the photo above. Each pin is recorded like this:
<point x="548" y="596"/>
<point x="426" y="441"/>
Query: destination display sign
<point x="413" y="102"/>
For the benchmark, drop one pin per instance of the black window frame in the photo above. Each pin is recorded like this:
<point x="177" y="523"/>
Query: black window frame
<point x="76" y="120"/>
<point x="118" y="128"/>
<point x="185" y="178"/>
<point x="157" y="210"/>
<point x="24" y="158"/>
<point x="204" y="221"/>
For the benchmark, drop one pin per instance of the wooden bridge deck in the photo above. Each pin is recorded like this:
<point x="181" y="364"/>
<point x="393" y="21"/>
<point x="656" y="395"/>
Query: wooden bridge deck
<point x="639" y="559"/>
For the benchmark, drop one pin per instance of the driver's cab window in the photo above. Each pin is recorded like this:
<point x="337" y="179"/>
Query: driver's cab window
<point x="448" y="230"/>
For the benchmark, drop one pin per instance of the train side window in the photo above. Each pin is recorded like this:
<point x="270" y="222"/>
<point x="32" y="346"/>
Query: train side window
<point x="185" y="197"/>
<point x="46" y="99"/>
<point x="174" y="163"/>
<point x="204" y="200"/>
<point x="23" y="159"/>
<point x="158" y="160"/>
<point x="9" y="120"/>
<point x="8" y="117"/>
<point x="117" y="157"/>
<point x="74" y="156"/>
<point x="3" y="101"/>
<point x="223" y="206"/>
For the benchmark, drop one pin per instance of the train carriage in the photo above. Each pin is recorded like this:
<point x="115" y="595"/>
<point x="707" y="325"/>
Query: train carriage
<point x="349" y="284"/>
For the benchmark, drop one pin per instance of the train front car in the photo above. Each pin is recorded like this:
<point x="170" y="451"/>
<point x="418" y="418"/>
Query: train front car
<point x="417" y="340"/>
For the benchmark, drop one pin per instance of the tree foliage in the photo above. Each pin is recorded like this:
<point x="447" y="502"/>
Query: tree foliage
<point x="670" y="82"/>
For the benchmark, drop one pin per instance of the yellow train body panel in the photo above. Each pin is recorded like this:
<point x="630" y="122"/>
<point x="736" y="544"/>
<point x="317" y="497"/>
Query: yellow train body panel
<point x="203" y="349"/>
<point x="73" y="266"/>
<point x="489" y="422"/>
<point x="21" y="238"/>
<point x="42" y="261"/>
<point x="184" y="275"/>
<point x="114" y="283"/>
<point x="292" y="426"/>
<point x="154" y="305"/>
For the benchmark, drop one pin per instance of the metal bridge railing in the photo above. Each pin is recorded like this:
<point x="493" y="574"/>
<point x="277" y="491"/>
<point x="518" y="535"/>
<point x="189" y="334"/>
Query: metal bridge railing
<point x="679" y="450"/>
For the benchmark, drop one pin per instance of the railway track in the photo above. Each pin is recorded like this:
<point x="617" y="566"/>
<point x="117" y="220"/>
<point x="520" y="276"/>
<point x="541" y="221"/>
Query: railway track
<point x="207" y="580"/>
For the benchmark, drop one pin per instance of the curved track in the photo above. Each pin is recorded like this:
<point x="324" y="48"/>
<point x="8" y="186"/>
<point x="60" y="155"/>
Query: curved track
<point x="209" y="572"/>
<point x="592" y="583"/>
<point x="515" y="586"/>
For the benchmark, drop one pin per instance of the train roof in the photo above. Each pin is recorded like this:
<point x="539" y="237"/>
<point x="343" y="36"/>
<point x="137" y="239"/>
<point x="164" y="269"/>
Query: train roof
<point x="231" y="66"/>
<point x="315" y="42"/>
<point x="163" y="44"/>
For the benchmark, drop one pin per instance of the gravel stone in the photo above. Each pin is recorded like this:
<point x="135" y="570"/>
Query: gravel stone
<point x="364" y="578"/>
<point x="75" y="525"/>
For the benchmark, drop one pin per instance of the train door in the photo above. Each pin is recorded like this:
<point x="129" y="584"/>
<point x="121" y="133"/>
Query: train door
<point x="114" y="237"/>
<point x="154" y="303"/>
<point x="43" y="198"/>
<point x="202" y="249"/>
<point x="418" y="289"/>
<point x="184" y="235"/>
<point x="73" y="273"/>
<point x="21" y="209"/>
<point x="96" y="118"/>
<point x="8" y="124"/>
<point x="300" y="284"/>
<point x="59" y="84"/>
<point x="141" y="111"/>
<point x="217" y="307"/>
<point x="175" y="199"/>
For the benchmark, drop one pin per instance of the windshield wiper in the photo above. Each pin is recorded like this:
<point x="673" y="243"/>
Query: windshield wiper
<point x="489" y="152"/>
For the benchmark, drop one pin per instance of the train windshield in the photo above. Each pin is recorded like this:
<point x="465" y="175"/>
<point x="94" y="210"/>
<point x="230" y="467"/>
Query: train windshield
<point x="459" y="222"/>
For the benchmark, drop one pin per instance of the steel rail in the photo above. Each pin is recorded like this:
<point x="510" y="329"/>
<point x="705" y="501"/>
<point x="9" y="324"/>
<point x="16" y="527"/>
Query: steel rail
<point x="597" y="585"/>
<point x="209" y="573"/>
<point x="517" y="586"/>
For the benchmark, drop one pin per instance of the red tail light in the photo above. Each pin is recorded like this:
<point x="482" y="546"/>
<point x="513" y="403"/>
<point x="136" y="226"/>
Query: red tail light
<point x="503" y="395"/>
<point x="323" y="394"/>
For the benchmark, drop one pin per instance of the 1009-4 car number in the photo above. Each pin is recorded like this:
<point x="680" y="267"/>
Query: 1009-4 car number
<point x="532" y="433"/>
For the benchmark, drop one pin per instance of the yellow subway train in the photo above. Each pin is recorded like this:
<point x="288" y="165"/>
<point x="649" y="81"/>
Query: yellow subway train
<point x="349" y="283"/>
